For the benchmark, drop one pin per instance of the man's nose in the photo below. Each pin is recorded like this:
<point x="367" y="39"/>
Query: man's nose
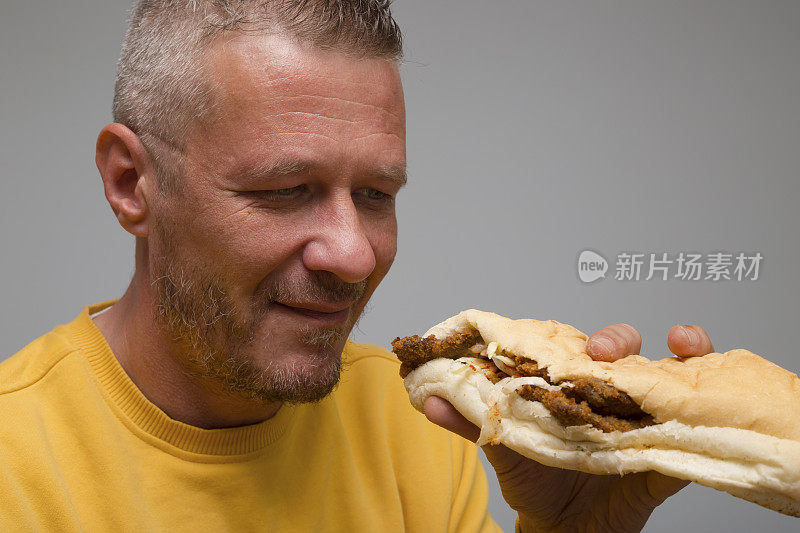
<point x="339" y="244"/>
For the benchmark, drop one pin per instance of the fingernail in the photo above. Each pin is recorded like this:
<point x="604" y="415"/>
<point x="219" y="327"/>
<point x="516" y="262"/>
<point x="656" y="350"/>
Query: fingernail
<point x="691" y="335"/>
<point x="602" y="345"/>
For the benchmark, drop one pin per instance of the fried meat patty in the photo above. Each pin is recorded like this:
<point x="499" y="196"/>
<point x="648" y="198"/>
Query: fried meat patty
<point x="570" y="412"/>
<point x="413" y="351"/>
<point x="579" y="402"/>
<point x="603" y="398"/>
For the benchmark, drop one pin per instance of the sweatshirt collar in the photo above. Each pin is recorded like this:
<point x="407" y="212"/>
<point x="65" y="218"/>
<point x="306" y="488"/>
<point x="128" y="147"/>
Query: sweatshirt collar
<point x="127" y="400"/>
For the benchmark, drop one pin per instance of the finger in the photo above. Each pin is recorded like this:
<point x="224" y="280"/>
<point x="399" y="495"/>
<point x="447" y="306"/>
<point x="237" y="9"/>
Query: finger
<point x="441" y="413"/>
<point x="614" y="342"/>
<point x="689" y="341"/>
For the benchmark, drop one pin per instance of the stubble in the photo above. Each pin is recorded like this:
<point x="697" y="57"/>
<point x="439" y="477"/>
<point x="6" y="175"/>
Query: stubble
<point x="195" y="308"/>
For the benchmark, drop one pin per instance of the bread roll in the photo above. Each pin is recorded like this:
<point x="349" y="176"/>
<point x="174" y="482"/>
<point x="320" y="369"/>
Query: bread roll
<point x="728" y="421"/>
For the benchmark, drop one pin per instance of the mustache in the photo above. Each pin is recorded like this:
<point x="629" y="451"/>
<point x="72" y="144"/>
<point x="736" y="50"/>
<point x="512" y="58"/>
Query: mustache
<point x="321" y="286"/>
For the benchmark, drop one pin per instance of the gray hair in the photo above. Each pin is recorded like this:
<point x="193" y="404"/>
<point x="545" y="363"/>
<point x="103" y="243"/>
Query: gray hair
<point x="160" y="88"/>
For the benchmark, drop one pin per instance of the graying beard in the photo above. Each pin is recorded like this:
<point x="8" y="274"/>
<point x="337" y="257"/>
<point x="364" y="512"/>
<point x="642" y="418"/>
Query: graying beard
<point x="324" y="338"/>
<point x="198" y="323"/>
<point x="278" y="383"/>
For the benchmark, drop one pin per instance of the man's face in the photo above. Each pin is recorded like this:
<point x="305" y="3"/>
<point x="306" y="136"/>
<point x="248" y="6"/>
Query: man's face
<point x="285" y="221"/>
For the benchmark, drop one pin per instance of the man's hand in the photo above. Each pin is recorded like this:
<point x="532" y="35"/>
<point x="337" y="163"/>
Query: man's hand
<point x="553" y="499"/>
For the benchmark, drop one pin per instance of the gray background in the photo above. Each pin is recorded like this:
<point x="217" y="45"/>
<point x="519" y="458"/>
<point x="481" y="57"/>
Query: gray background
<point x="536" y="130"/>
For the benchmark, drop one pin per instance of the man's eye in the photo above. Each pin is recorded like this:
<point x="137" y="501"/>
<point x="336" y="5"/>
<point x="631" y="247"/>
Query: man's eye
<point x="283" y="194"/>
<point x="375" y="195"/>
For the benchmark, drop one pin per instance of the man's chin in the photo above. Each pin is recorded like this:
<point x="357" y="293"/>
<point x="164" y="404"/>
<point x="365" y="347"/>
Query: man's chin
<point x="290" y="359"/>
<point x="296" y="377"/>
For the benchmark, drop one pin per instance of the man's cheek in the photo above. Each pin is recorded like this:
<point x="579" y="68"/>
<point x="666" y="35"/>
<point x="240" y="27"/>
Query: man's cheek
<point x="386" y="263"/>
<point x="384" y="246"/>
<point x="252" y="250"/>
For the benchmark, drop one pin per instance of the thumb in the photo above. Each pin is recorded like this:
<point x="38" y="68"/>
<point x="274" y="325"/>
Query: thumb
<point x="441" y="413"/>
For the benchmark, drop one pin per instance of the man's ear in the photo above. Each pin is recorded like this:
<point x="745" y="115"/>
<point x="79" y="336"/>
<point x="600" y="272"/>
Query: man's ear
<point x="127" y="173"/>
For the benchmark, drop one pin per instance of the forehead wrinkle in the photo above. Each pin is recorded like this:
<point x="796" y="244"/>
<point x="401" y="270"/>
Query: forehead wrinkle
<point x="337" y="125"/>
<point x="299" y="88"/>
<point x="375" y="106"/>
<point x="318" y="115"/>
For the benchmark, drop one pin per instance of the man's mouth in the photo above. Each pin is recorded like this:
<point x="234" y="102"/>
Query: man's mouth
<point x="320" y="312"/>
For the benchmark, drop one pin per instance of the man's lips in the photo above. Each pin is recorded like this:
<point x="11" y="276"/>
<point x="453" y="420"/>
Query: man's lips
<point x="318" y="311"/>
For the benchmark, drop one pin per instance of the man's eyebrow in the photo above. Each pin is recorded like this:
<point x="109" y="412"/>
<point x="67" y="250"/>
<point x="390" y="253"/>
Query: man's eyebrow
<point x="287" y="167"/>
<point x="398" y="175"/>
<point x="282" y="168"/>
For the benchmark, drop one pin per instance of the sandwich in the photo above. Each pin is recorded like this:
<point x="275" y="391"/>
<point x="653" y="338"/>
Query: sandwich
<point x="730" y="421"/>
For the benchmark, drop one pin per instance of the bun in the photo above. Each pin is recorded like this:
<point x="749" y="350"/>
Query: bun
<point x="727" y="421"/>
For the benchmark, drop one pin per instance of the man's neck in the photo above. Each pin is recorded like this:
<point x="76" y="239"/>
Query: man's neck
<point x="157" y="367"/>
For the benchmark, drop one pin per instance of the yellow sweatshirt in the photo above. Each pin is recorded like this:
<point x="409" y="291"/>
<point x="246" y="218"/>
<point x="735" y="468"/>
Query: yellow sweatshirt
<point x="81" y="449"/>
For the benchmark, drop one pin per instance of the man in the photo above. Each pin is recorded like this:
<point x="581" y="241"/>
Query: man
<point x="256" y="154"/>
